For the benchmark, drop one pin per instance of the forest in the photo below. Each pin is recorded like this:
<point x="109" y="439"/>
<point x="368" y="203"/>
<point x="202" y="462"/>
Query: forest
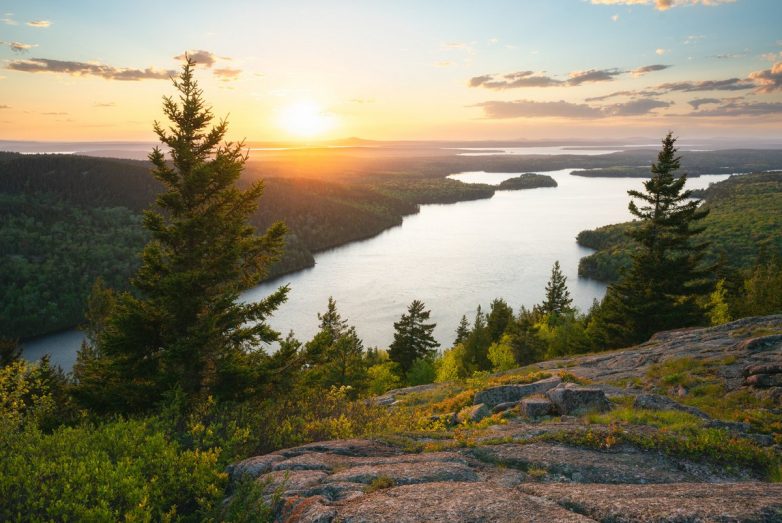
<point x="743" y="223"/>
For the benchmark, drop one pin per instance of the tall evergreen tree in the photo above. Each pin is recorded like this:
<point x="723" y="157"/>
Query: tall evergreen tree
<point x="500" y="316"/>
<point x="412" y="337"/>
<point x="335" y="354"/>
<point x="476" y="346"/>
<point x="462" y="330"/>
<point x="667" y="278"/>
<point x="558" y="300"/>
<point x="183" y="328"/>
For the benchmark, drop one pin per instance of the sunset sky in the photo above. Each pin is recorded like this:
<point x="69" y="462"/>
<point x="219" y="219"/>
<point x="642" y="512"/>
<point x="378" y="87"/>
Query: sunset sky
<point x="96" y="70"/>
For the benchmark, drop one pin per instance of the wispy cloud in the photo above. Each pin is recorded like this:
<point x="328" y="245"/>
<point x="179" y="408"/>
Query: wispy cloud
<point x="227" y="74"/>
<point x="8" y="19"/>
<point x="5" y="106"/>
<point x="39" y="23"/>
<point x="19" y="47"/>
<point x="768" y="80"/>
<point x="731" y="84"/>
<point x="697" y="102"/>
<point x="662" y="5"/>
<point x="660" y="51"/>
<point x="739" y="108"/>
<point x="563" y="109"/>
<point x="105" y="104"/>
<point x="640" y="71"/>
<point x="593" y="75"/>
<point x="514" y="80"/>
<point x="44" y="65"/>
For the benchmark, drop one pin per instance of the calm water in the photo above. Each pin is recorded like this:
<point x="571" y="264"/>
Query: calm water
<point x="453" y="257"/>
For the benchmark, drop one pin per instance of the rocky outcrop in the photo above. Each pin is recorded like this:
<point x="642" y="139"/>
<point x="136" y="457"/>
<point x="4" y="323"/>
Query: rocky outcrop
<point x="571" y="399"/>
<point x="512" y="393"/>
<point x="543" y="461"/>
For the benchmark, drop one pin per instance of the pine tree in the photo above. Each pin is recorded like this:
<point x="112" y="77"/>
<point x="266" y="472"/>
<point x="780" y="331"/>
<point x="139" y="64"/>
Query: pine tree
<point x="412" y="337"/>
<point x="462" y="330"/>
<point x="335" y="354"/>
<point x="183" y="327"/>
<point x="500" y="316"/>
<point x="476" y="346"/>
<point x="558" y="300"/>
<point x="667" y="278"/>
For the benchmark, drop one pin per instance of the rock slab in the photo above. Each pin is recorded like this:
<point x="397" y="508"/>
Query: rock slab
<point x="511" y="393"/>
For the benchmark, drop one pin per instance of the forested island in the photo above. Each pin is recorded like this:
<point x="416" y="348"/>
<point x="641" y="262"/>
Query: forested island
<point x="527" y="181"/>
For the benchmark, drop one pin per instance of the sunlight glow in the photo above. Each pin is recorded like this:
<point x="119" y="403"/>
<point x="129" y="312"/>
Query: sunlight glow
<point x="305" y="119"/>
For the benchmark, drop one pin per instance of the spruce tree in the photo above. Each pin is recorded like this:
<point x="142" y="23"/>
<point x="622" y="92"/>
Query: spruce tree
<point x="335" y="355"/>
<point x="500" y="316"/>
<point x="412" y="337"/>
<point x="462" y="330"/>
<point x="667" y="277"/>
<point x="558" y="300"/>
<point x="183" y="327"/>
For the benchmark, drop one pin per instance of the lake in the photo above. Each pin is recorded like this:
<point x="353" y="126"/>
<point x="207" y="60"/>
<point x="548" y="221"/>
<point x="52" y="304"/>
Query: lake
<point x="453" y="257"/>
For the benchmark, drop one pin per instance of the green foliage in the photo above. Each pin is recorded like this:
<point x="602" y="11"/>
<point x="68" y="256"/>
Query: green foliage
<point x="52" y="251"/>
<point x="413" y="338"/>
<point x="335" y="355"/>
<point x="500" y="316"/>
<point x="380" y="483"/>
<point x="476" y="345"/>
<point x="527" y="181"/>
<point x="761" y="292"/>
<point x="120" y="470"/>
<point x="744" y="221"/>
<point x="248" y="504"/>
<point x="558" y="300"/>
<point x="421" y="372"/>
<point x="718" y="311"/>
<point x="451" y="366"/>
<point x="667" y="278"/>
<point x="33" y="394"/>
<point x="184" y="329"/>
<point x="462" y="331"/>
<point x="383" y="377"/>
<point x="501" y="355"/>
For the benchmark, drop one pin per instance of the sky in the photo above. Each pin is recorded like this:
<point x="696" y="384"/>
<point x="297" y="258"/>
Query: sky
<point x="410" y="70"/>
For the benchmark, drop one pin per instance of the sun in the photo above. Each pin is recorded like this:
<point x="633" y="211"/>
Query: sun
<point x="305" y="119"/>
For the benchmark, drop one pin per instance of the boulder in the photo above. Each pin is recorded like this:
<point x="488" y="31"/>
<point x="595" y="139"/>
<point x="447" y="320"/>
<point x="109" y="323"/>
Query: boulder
<point x="510" y="393"/>
<point x="657" y="402"/>
<point x="574" y="400"/>
<point x="473" y="413"/>
<point x="535" y="407"/>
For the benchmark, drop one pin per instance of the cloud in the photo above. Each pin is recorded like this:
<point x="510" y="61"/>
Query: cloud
<point x="19" y="47"/>
<point x="663" y="5"/>
<point x="532" y="109"/>
<point x="635" y="107"/>
<point x="8" y="20"/>
<point x="768" y="80"/>
<point x="697" y="102"/>
<point x="660" y="51"/>
<point x="616" y="94"/>
<point x="742" y="109"/>
<point x="227" y="74"/>
<point x="593" y="75"/>
<point x="53" y="113"/>
<point x="5" y="106"/>
<point x="43" y="65"/>
<point x="615" y="18"/>
<point x="691" y="39"/>
<point x="563" y="109"/>
<point x="731" y="84"/>
<point x="513" y="80"/>
<point x="199" y="56"/>
<point x="39" y="23"/>
<point x="640" y="71"/>
<point x="105" y="104"/>
<point x="444" y="63"/>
